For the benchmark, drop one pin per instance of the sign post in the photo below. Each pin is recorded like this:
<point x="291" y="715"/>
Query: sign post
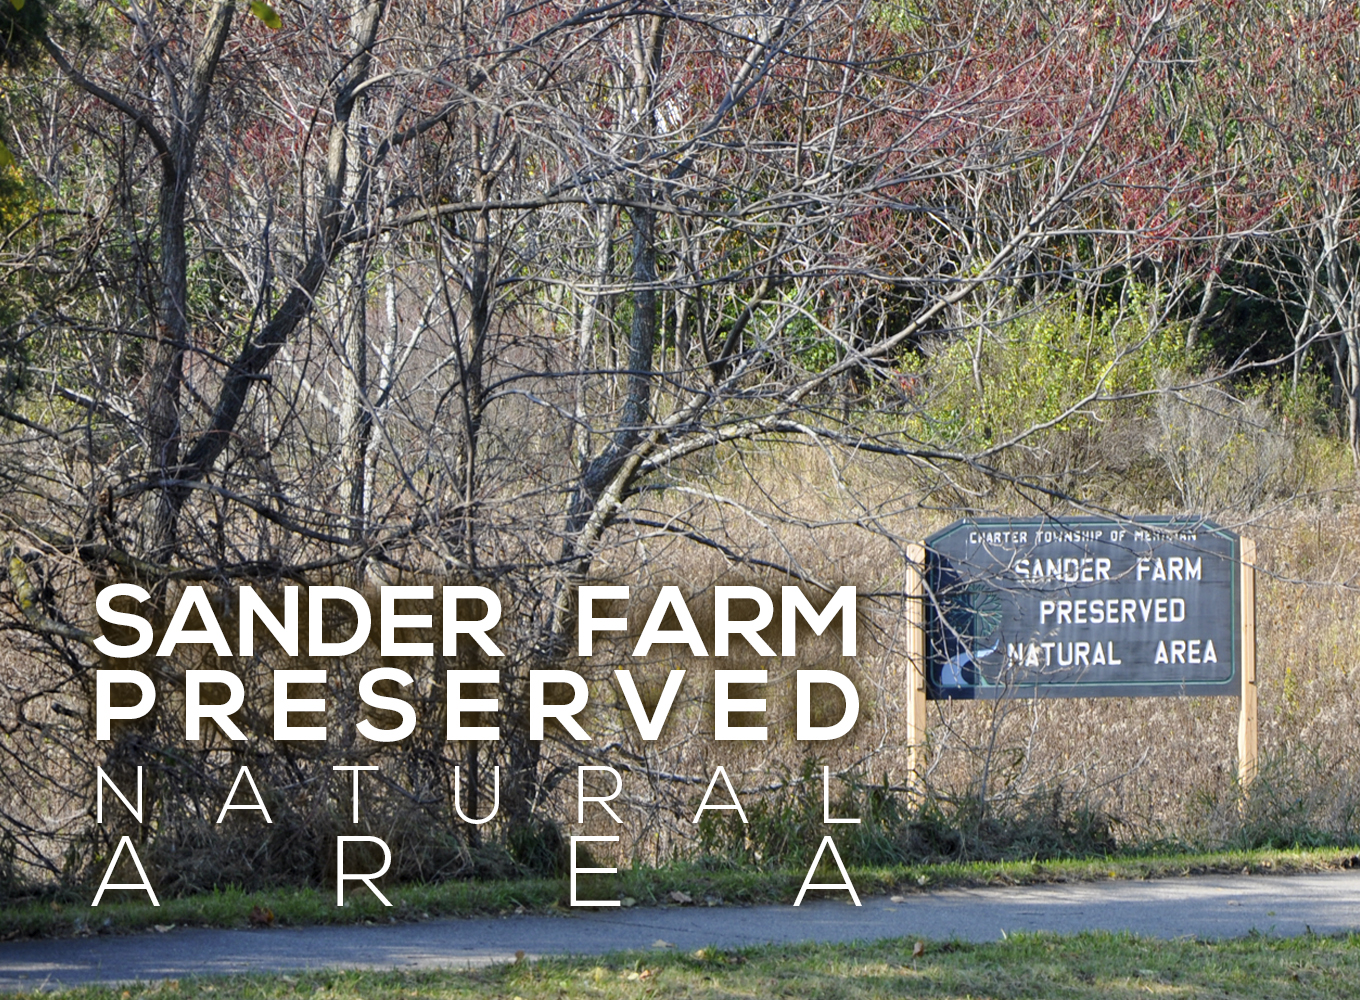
<point x="916" y="667"/>
<point x="1246" y="722"/>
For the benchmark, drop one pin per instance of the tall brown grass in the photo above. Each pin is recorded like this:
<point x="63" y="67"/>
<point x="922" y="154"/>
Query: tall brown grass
<point x="1001" y="778"/>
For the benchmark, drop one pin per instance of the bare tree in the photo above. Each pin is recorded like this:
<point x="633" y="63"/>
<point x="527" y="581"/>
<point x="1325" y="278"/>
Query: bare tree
<point x="613" y="242"/>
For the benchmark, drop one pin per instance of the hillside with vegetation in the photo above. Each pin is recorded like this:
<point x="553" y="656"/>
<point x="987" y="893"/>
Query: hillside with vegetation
<point x="653" y="293"/>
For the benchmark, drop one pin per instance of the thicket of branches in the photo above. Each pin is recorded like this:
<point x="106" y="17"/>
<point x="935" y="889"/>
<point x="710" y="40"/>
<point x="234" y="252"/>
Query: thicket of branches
<point x="497" y="293"/>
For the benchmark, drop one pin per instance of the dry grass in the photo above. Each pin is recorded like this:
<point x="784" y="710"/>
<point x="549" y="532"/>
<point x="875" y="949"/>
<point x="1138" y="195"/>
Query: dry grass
<point x="1159" y="770"/>
<point x="1062" y="776"/>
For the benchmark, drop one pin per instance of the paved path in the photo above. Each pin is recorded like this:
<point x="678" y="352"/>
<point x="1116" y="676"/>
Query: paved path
<point x="1207" y="907"/>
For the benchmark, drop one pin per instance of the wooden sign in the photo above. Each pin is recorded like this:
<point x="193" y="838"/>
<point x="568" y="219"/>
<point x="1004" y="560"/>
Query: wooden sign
<point x="1083" y="607"/>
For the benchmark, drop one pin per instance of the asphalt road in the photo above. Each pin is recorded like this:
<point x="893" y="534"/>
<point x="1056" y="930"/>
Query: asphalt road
<point x="1205" y="907"/>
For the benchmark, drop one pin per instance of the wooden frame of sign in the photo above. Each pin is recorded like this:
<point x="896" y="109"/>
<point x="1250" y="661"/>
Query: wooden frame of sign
<point x="915" y="613"/>
<point x="916" y="667"/>
<point x="1246" y="719"/>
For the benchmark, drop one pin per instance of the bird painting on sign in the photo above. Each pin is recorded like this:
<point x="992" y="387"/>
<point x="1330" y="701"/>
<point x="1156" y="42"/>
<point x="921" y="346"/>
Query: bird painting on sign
<point x="964" y="632"/>
<point x="957" y="670"/>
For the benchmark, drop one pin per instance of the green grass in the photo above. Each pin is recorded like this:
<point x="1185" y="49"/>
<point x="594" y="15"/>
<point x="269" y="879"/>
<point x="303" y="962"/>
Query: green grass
<point x="645" y="886"/>
<point x="1094" y="965"/>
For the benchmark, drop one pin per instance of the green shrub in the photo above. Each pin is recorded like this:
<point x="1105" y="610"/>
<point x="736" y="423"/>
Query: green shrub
<point x="998" y="381"/>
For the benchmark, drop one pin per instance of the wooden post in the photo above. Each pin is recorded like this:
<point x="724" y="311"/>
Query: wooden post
<point x="916" y="668"/>
<point x="1246" y="722"/>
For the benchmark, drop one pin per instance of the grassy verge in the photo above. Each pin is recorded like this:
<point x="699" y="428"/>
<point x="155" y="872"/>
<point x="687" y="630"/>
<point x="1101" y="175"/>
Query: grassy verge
<point x="1095" y="965"/>
<point x="687" y="883"/>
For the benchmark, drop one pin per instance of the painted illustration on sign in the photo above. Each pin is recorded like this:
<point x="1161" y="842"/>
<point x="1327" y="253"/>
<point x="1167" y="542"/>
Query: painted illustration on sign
<point x="1082" y="607"/>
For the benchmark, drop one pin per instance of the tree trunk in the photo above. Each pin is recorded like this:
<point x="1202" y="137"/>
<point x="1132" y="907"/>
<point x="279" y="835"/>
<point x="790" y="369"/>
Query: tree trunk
<point x="166" y="377"/>
<point x="356" y="414"/>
